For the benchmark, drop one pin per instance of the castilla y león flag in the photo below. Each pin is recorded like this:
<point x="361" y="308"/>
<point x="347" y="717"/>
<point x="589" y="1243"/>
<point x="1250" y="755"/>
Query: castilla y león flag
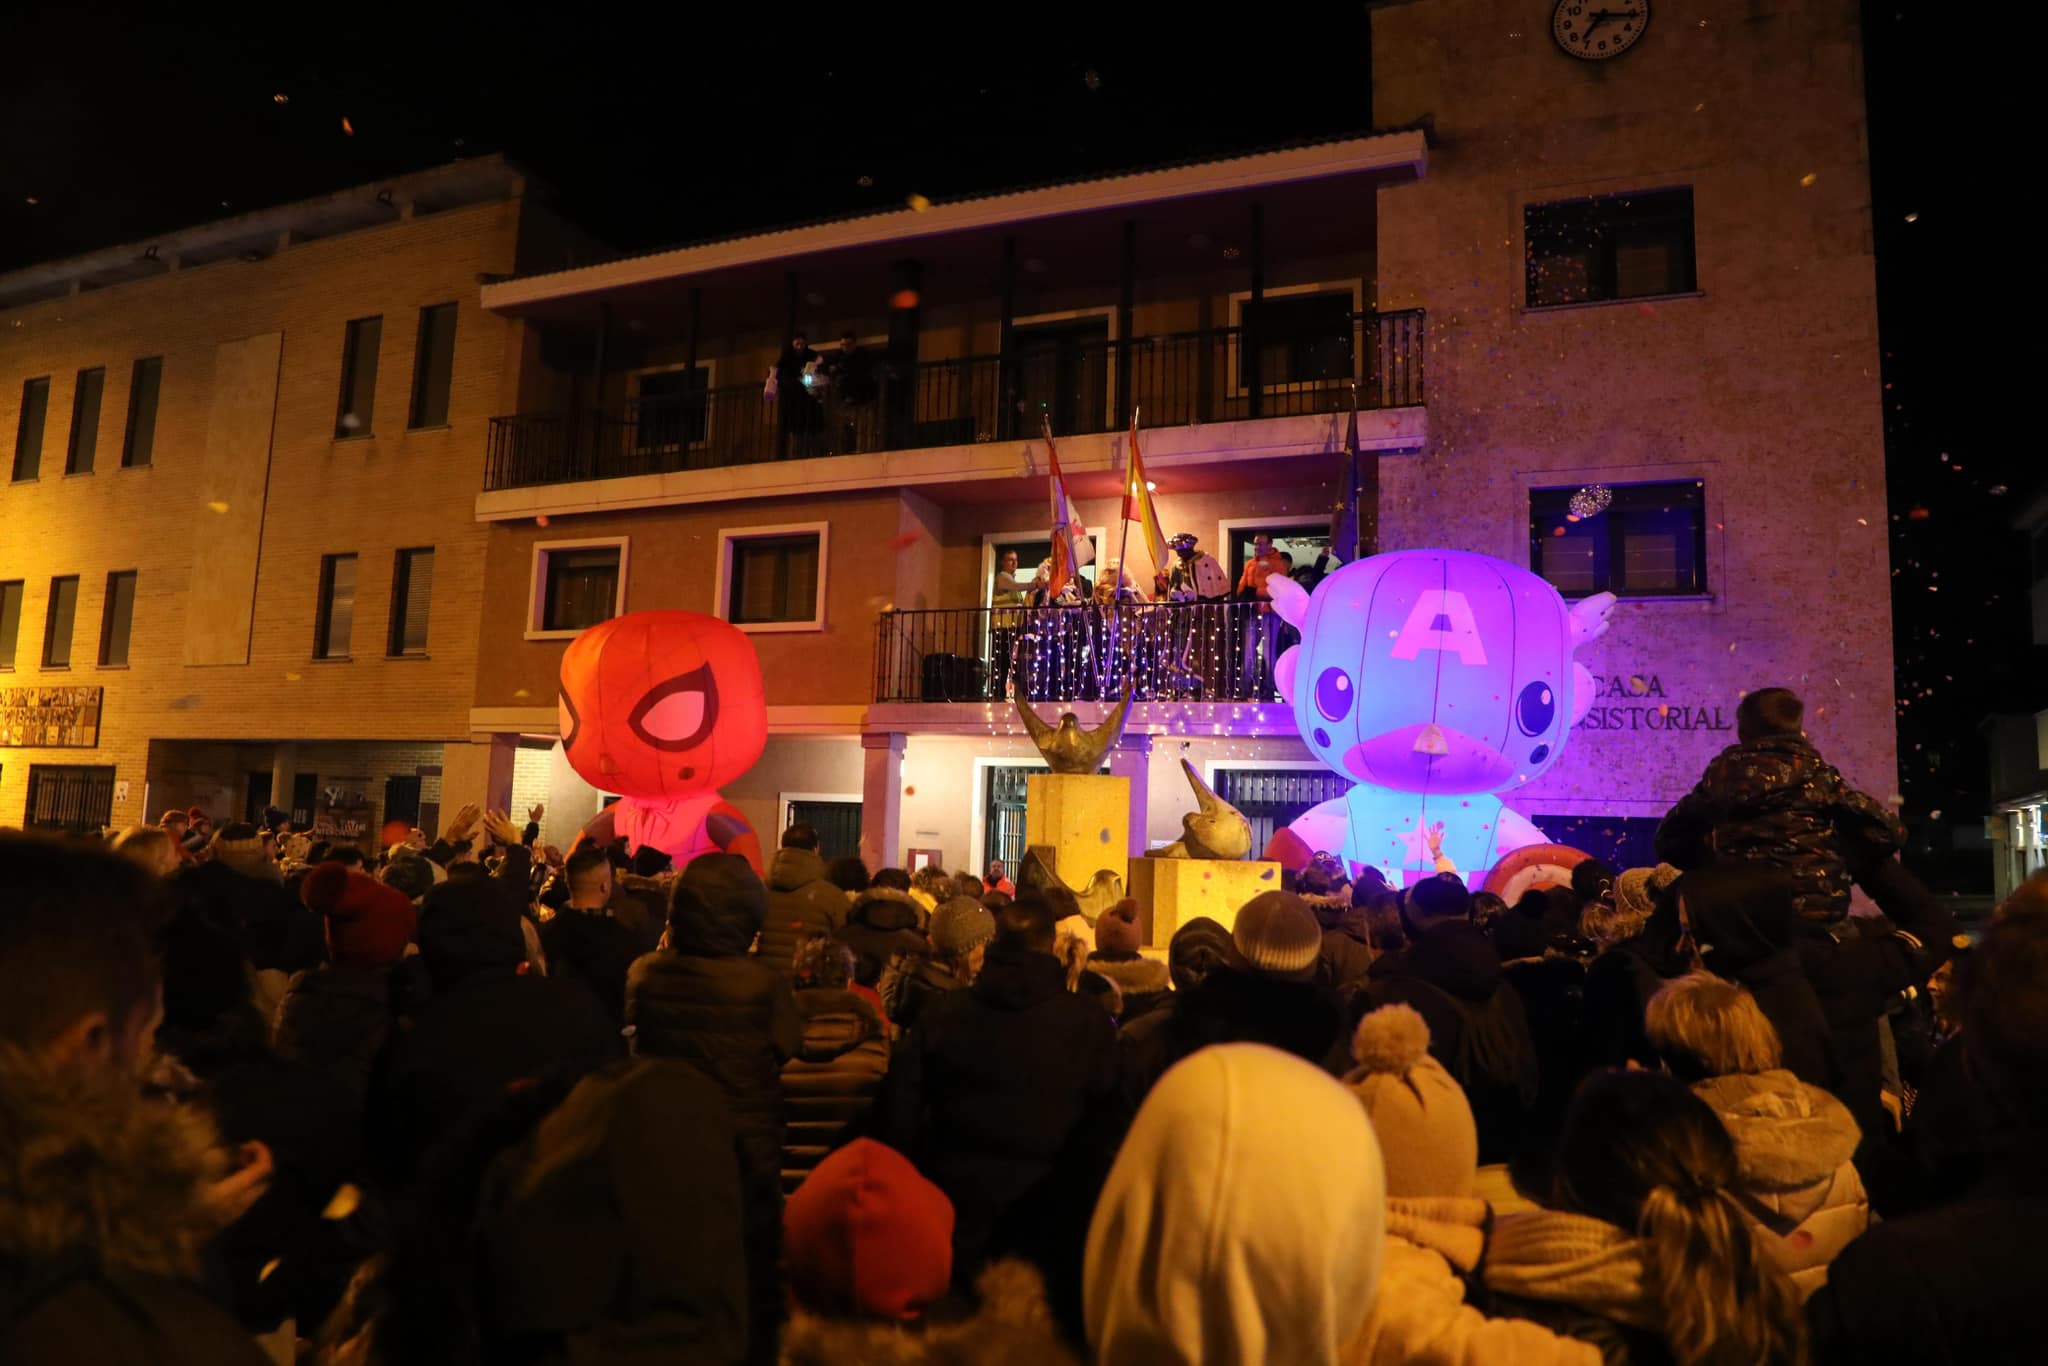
<point x="1070" y="545"/>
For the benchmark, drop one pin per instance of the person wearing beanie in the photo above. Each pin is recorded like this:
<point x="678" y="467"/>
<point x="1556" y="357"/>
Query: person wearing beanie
<point x="335" y="1017"/>
<point x="1608" y="922"/>
<point x="1242" y="1221"/>
<point x="1478" y="1029"/>
<point x="845" y="1054"/>
<point x="1265" y="991"/>
<point x="868" y="1248"/>
<point x="705" y="999"/>
<point x="961" y="929"/>
<point x="1142" y="983"/>
<point x="1197" y="948"/>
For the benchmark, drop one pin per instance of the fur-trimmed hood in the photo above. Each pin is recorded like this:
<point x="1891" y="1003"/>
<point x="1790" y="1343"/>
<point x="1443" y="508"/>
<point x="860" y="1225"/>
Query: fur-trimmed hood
<point x="885" y="908"/>
<point x="1787" y="1134"/>
<point x="88" y="1165"/>
<point x="1013" y="1327"/>
<point x="1136" y="975"/>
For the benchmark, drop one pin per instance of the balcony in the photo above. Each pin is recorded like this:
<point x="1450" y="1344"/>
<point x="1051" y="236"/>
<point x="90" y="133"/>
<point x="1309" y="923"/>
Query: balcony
<point x="1175" y="380"/>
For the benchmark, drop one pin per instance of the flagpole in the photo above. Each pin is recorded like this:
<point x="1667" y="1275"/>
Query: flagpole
<point x="1116" y="586"/>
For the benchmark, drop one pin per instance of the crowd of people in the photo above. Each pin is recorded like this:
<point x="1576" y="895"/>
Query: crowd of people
<point x="467" y="1100"/>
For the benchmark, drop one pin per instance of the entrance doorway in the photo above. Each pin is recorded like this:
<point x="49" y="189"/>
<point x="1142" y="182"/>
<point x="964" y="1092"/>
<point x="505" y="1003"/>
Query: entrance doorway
<point x="1062" y="371"/>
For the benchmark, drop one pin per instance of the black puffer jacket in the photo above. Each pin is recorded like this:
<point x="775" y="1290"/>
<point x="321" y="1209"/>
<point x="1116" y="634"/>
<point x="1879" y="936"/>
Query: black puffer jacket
<point x="802" y="902"/>
<point x="832" y="1079"/>
<point x="336" y="1019"/>
<point x="1776" y="801"/>
<point x="883" y="923"/>
<point x="595" y="948"/>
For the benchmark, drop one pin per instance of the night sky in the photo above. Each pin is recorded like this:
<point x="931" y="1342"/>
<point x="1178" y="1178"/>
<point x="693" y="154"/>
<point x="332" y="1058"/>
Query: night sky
<point x="654" y="133"/>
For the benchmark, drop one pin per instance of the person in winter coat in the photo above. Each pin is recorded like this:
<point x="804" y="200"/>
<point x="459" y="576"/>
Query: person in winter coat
<point x="584" y="940"/>
<point x="882" y="923"/>
<point x="1643" y="1249"/>
<point x="336" y="1017"/>
<point x="489" y="1025"/>
<point x="1142" y="983"/>
<point x="1265" y="992"/>
<point x="960" y="935"/>
<point x="1478" y="1030"/>
<point x="1198" y="947"/>
<point x="1006" y="1095"/>
<point x="1798" y="1187"/>
<point x="1347" y="946"/>
<point x="703" y="999"/>
<point x="844" y="1056"/>
<point x="1436" y="1225"/>
<point x="108" y="1199"/>
<point x="869" y="1251"/>
<point x="1963" y="1281"/>
<point x="238" y="887"/>
<point x="1215" y="1241"/>
<point x="1770" y="798"/>
<point x="802" y="899"/>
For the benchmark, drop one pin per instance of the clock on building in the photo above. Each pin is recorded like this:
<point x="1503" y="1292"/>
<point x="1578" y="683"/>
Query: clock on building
<point x="1595" y="30"/>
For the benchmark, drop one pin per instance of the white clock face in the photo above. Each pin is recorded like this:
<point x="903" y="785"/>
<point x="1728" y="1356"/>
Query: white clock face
<point x="1598" y="29"/>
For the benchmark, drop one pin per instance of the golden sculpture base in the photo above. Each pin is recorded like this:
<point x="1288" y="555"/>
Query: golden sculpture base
<point x="1172" y="891"/>
<point x="1085" y="818"/>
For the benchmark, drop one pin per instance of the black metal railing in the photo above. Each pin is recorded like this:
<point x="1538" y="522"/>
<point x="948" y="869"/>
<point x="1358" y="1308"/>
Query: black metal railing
<point x="1192" y="651"/>
<point x="1173" y="380"/>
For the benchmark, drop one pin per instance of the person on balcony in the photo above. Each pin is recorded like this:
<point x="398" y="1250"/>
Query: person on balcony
<point x="1194" y="663"/>
<point x="796" y="371"/>
<point x="855" y="386"/>
<point x="1008" y="595"/>
<point x="1262" y="626"/>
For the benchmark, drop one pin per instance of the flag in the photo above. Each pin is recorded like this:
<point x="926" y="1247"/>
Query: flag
<point x="1138" y="503"/>
<point x="1070" y="545"/>
<point x="1344" y="526"/>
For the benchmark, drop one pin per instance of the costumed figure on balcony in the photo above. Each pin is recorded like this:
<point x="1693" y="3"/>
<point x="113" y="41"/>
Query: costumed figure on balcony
<point x="1435" y="680"/>
<point x="664" y="708"/>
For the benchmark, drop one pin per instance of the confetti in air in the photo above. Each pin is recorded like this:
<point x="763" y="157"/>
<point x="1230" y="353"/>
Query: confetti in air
<point x="1808" y="179"/>
<point x="918" y="203"/>
<point x="1591" y="501"/>
<point x="347" y="127"/>
<point x="280" y="98"/>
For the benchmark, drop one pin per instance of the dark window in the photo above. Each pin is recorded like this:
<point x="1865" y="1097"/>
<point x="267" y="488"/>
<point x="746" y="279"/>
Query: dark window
<point x="85" y="421"/>
<point x="1618" y="246"/>
<point x="838" y="826"/>
<point x="402" y="800"/>
<point x="1274" y="798"/>
<point x="1650" y="541"/>
<point x="1302" y="338"/>
<point x="335" y="621"/>
<point x="433" y="365"/>
<point x="582" y="588"/>
<point x="358" y="376"/>
<point x="1305" y="541"/>
<point x="1617" y="841"/>
<point x="58" y="622"/>
<point x="259" y="795"/>
<point x="10" y="620"/>
<point x="672" y="409"/>
<point x="412" y="593"/>
<point x="28" y="435"/>
<point x="774" y="578"/>
<point x="305" y="792"/>
<point x="140" y="444"/>
<point x="76" y="797"/>
<point x="117" y="617"/>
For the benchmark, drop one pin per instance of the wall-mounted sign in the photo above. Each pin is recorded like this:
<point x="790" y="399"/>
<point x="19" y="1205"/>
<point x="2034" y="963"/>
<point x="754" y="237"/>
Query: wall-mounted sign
<point x="50" y="718"/>
<point x="343" y="811"/>
<point x="1638" y="702"/>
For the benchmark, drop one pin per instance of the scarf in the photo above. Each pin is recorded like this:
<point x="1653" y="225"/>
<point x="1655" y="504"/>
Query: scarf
<point x="1571" y="1259"/>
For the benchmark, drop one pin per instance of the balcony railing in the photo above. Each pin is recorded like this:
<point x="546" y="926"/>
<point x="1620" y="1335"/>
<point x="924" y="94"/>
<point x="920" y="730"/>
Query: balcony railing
<point x="1174" y="380"/>
<point x="1193" y="651"/>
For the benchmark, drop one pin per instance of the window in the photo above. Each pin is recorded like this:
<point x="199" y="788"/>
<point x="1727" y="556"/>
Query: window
<point x="576" y="584"/>
<point x="412" y="592"/>
<point x="773" y="578"/>
<point x="116" y="617"/>
<point x="433" y="364"/>
<point x="1303" y="338"/>
<point x="85" y="421"/>
<point x="57" y="624"/>
<point x="358" y="377"/>
<point x="140" y="443"/>
<point x="1651" y="541"/>
<point x="77" y="797"/>
<point x="10" y="620"/>
<point x="28" y="434"/>
<point x="1305" y="541"/>
<point x="335" y="620"/>
<point x="1618" y="246"/>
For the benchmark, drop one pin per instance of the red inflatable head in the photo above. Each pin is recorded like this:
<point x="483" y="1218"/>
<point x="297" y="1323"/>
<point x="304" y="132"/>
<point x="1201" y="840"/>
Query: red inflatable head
<point x="662" y="705"/>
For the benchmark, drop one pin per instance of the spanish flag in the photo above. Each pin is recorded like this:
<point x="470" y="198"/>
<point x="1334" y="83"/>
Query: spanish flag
<point x="1138" y="503"/>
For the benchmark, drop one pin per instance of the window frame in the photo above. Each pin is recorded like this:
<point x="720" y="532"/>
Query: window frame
<point x="50" y="623"/>
<point x="1691" y="248"/>
<point x="83" y="432"/>
<point x="135" y="372"/>
<point x="1702" y="557"/>
<point x="537" y="584"/>
<point x="21" y="429"/>
<point x="1229" y="529"/>
<point x="12" y="642"/>
<point x="40" y="773"/>
<point x="729" y="536"/>
<point x="1233" y="376"/>
<point x="401" y="591"/>
<point x="323" y="608"/>
<point x="419" y="374"/>
<point x="351" y="357"/>
<point x="114" y="576"/>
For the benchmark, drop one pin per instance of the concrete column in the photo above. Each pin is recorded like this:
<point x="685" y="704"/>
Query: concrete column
<point x="480" y="772"/>
<point x="881" y="800"/>
<point x="1131" y="758"/>
<point x="284" y="768"/>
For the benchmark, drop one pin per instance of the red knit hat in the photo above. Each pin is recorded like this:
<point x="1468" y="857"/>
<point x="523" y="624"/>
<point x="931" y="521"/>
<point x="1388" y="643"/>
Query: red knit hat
<point x="866" y="1235"/>
<point x="368" y="923"/>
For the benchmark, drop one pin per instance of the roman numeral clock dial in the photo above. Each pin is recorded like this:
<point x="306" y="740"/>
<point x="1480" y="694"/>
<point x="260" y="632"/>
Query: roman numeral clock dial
<point x="1595" y="30"/>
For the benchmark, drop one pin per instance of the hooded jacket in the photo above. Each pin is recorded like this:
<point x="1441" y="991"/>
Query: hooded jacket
<point x="912" y="982"/>
<point x="832" y="1079"/>
<point x="882" y="923"/>
<point x="1142" y="983"/>
<point x="1240" y="1005"/>
<point x="1215" y="1242"/>
<point x="1774" y="800"/>
<point x="101" y="1224"/>
<point x="1800" y="1192"/>
<point x="802" y="902"/>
